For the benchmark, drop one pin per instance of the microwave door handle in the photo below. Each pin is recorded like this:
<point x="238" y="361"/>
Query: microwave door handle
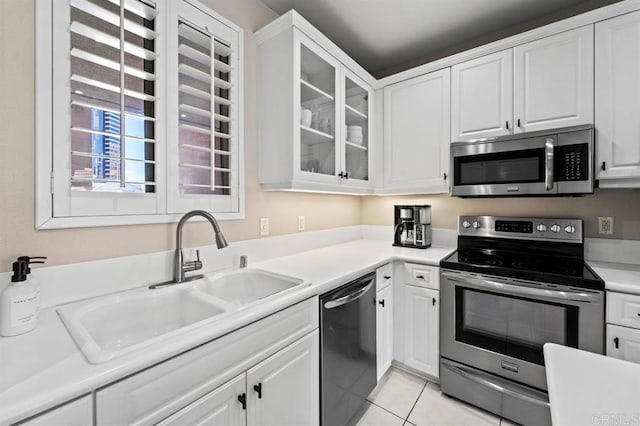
<point x="548" y="155"/>
<point x="522" y="290"/>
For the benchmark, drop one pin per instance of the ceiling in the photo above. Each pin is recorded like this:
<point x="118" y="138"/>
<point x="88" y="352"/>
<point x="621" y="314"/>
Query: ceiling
<point x="386" y="36"/>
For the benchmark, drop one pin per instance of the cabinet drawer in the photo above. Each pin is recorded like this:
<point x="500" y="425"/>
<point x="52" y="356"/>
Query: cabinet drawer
<point x="623" y="309"/>
<point x="384" y="276"/>
<point x="421" y="275"/>
<point x="76" y="413"/>
<point x="155" y="393"/>
<point x="623" y="343"/>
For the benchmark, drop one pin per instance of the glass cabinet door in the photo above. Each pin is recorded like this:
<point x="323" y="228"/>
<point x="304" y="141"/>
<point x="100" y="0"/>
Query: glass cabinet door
<point x="317" y="121"/>
<point x="356" y="129"/>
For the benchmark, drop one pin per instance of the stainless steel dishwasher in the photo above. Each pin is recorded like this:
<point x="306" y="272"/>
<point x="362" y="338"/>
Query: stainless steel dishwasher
<point x="348" y="350"/>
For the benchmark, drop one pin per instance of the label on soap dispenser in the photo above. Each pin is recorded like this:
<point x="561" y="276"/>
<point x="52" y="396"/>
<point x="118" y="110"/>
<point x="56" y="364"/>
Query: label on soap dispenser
<point x="23" y="309"/>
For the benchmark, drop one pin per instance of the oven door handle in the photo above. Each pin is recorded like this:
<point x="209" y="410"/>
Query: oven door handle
<point x="489" y="384"/>
<point x="521" y="290"/>
<point x="548" y="155"/>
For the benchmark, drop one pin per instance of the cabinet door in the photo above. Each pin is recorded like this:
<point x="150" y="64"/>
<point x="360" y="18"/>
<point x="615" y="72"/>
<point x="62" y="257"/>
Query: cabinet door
<point x="284" y="389"/>
<point x="617" y="86"/>
<point x="356" y="130"/>
<point x="553" y="81"/>
<point x="219" y="407"/>
<point x="416" y="127"/>
<point x="421" y="345"/>
<point x="76" y="413"/>
<point x="482" y="97"/>
<point x="623" y="343"/>
<point x="384" y="329"/>
<point x="316" y="89"/>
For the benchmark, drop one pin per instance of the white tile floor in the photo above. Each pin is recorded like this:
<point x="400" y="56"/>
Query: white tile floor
<point x="404" y="399"/>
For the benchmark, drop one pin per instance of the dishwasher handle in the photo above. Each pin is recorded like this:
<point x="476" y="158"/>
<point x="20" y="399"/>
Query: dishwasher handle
<point x="348" y="298"/>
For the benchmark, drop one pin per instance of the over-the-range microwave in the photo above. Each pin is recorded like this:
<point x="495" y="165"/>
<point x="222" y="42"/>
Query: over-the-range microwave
<point x="549" y="162"/>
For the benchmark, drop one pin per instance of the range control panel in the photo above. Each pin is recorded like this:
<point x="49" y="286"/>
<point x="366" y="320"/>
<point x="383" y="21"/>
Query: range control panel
<point x="569" y="230"/>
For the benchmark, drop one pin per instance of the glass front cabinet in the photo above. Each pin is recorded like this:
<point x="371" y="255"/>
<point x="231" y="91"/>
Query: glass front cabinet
<point x="314" y="128"/>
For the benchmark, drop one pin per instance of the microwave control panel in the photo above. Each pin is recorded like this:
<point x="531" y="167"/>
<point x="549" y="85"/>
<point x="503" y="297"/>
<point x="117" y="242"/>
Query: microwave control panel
<point x="571" y="163"/>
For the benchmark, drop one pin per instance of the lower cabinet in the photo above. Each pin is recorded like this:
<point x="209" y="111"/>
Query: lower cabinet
<point x="421" y="308"/>
<point x="281" y="390"/>
<point x="623" y="343"/>
<point x="384" y="330"/>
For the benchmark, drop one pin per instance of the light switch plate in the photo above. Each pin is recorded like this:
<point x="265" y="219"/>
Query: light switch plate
<point x="264" y="226"/>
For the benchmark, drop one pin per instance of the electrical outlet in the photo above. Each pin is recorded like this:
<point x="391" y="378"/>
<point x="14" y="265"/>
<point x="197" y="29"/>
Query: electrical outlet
<point x="264" y="226"/>
<point x="605" y="225"/>
<point x="300" y="223"/>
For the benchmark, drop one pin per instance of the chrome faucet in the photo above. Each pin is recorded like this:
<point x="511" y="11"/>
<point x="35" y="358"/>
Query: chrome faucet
<point x="180" y="267"/>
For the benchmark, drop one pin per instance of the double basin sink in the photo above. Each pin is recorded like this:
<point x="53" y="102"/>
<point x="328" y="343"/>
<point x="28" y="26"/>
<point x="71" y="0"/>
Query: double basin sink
<point x="111" y="326"/>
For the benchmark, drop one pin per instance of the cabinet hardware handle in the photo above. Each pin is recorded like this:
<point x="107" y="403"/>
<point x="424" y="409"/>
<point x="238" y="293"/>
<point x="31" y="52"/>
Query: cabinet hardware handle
<point x="507" y="125"/>
<point x="340" y="175"/>
<point x="420" y="277"/>
<point x="258" y="388"/>
<point x="604" y="166"/>
<point x="519" y="125"/>
<point x="346" y="175"/>
<point x="381" y="303"/>
<point x="386" y="277"/>
<point x="445" y="176"/>
<point x="242" y="399"/>
<point x="433" y="301"/>
<point x="616" y="342"/>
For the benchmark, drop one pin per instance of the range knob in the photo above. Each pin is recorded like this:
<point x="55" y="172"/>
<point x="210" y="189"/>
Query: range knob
<point x="466" y="224"/>
<point x="542" y="227"/>
<point x="476" y="224"/>
<point x="569" y="229"/>
<point x="555" y="228"/>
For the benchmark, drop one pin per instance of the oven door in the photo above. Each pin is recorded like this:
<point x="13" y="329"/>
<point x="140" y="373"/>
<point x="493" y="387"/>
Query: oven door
<point x="499" y="325"/>
<point x="516" y="167"/>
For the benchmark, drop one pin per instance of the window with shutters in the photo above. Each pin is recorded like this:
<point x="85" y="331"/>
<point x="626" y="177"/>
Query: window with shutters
<point x="138" y="112"/>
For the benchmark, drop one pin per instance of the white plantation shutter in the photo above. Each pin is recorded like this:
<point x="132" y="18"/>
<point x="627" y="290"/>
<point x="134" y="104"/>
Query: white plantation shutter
<point x="203" y="114"/>
<point x="106" y="159"/>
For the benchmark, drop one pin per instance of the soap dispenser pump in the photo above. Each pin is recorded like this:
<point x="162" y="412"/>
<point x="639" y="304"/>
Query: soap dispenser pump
<point x="20" y="301"/>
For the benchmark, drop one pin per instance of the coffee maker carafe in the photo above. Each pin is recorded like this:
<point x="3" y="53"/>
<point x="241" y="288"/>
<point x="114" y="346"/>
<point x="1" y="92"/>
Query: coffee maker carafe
<point x="412" y="226"/>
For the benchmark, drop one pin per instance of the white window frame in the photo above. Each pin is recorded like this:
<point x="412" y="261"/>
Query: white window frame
<point x="47" y="185"/>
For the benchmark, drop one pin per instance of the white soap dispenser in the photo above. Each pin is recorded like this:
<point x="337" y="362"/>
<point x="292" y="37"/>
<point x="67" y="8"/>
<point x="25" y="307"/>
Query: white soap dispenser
<point x="20" y="301"/>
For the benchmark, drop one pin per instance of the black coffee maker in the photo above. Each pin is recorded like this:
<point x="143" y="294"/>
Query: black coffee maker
<point x="412" y="226"/>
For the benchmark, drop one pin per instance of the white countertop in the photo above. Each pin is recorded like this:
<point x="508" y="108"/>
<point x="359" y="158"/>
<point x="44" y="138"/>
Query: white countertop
<point x="623" y="277"/>
<point x="587" y="388"/>
<point x="44" y="368"/>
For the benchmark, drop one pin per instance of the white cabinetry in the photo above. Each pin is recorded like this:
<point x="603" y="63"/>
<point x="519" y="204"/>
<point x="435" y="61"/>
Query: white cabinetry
<point x="553" y="81"/>
<point x="421" y="319"/>
<point x="156" y="393"/>
<point x="617" y="66"/>
<point x="315" y="129"/>
<point x="384" y="318"/>
<point x="623" y="326"/>
<point x="540" y="85"/>
<point x="75" y="413"/>
<point x="482" y="97"/>
<point x="416" y="320"/>
<point x="285" y="388"/>
<point x="416" y="134"/>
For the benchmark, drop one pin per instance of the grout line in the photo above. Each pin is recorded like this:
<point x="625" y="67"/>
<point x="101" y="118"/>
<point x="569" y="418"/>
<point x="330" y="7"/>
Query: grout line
<point x="416" y="401"/>
<point x="388" y="411"/>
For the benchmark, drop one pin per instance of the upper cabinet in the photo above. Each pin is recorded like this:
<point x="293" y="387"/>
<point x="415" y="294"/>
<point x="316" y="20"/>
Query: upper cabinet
<point x="416" y="134"/>
<point x="553" y="81"/>
<point x="540" y="85"/>
<point x="482" y="97"/>
<point x="315" y="128"/>
<point x="617" y="61"/>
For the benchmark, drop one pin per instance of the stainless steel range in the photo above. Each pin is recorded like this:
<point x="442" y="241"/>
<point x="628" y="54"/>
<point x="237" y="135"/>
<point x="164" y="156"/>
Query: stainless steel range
<point x="513" y="285"/>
